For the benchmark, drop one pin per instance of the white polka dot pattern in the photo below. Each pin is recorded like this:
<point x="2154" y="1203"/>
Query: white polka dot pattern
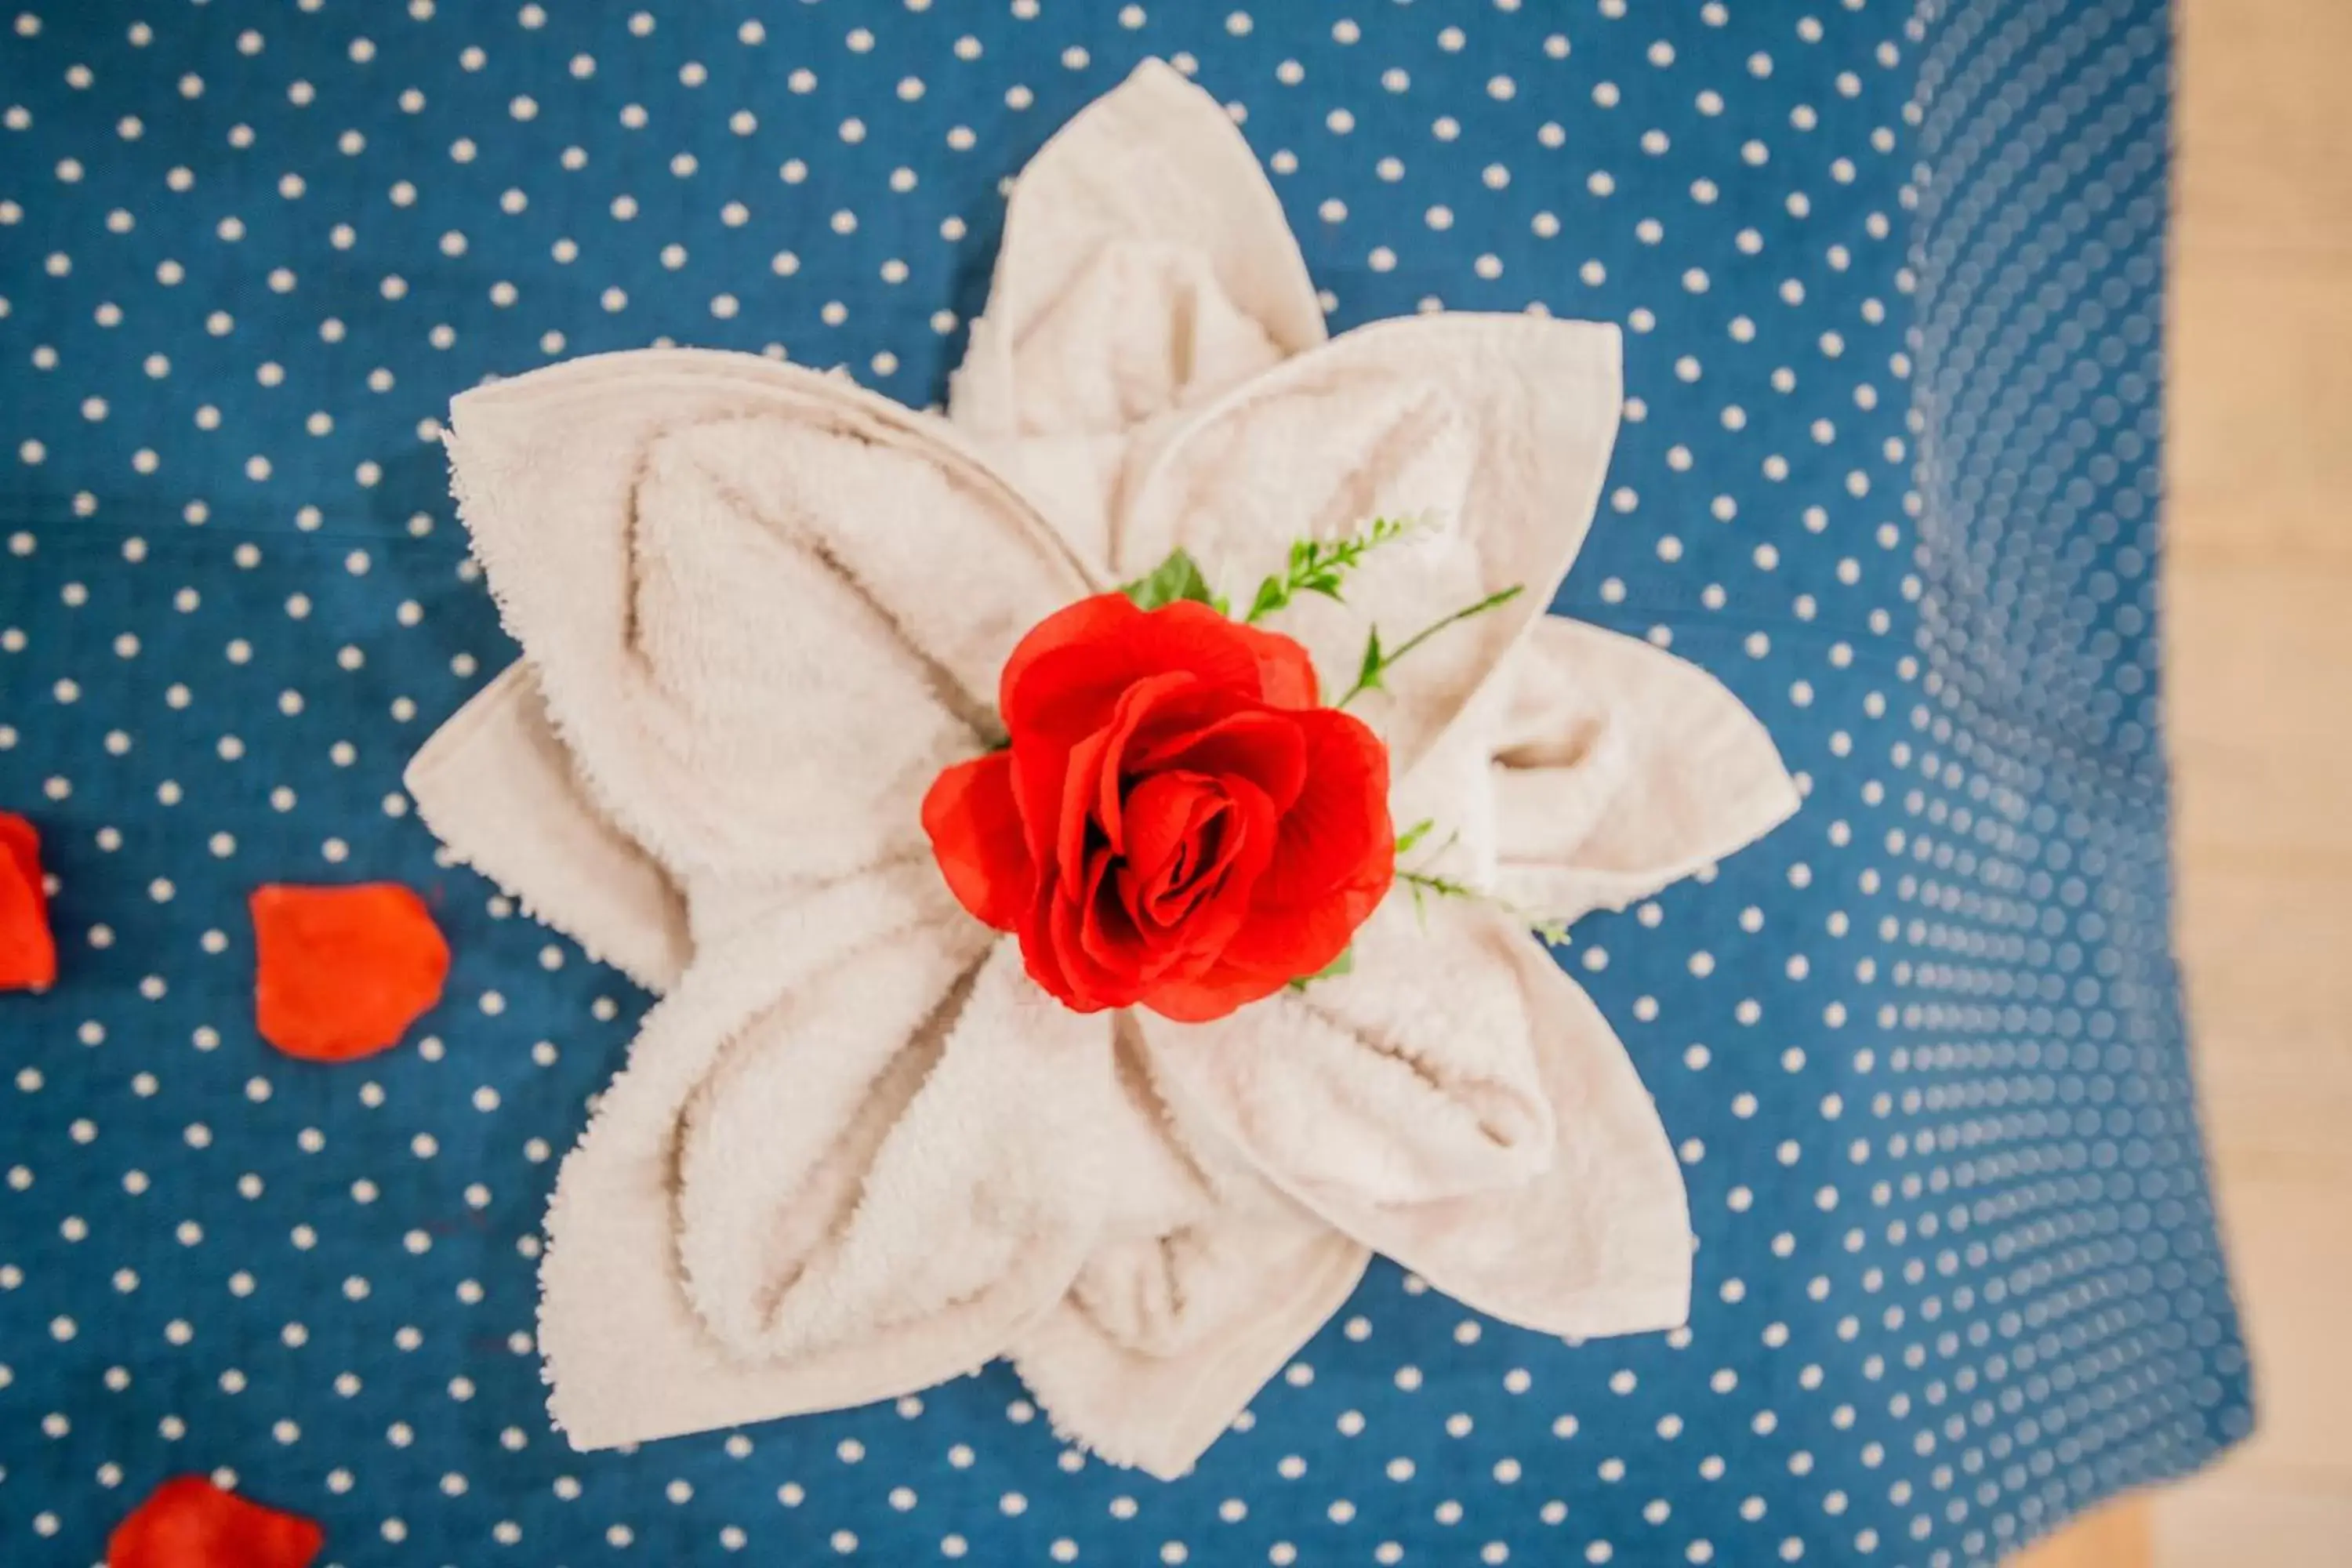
<point x="1890" y="280"/>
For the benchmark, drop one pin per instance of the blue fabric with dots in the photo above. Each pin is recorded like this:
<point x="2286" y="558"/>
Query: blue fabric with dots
<point x="1891" y="280"/>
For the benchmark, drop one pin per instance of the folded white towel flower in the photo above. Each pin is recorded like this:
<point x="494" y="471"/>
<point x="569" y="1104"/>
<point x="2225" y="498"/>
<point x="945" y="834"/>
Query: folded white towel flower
<point x="855" y="1149"/>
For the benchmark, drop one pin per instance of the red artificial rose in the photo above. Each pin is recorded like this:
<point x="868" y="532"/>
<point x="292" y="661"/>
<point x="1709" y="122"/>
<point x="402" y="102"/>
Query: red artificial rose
<point x="1177" y="823"/>
<point x="28" y="955"/>
<point x="188" y="1522"/>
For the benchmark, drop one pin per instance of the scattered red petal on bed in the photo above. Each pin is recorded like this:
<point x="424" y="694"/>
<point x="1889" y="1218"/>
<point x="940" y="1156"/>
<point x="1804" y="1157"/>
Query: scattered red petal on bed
<point x="342" y="972"/>
<point x="28" y="955"/>
<point x="188" y="1522"/>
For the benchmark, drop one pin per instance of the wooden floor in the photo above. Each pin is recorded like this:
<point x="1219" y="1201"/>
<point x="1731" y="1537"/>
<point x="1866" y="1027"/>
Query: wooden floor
<point x="2259" y="666"/>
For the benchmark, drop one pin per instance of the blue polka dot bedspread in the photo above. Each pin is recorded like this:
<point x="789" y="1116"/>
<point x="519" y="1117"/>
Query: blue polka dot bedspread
<point x="1890" y="279"/>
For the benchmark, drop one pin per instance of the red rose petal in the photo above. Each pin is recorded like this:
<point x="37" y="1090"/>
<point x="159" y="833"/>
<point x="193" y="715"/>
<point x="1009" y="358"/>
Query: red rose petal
<point x="28" y="954"/>
<point x="188" y="1522"/>
<point x="342" y="972"/>
<point x="1065" y="962"/>
<point x="1107" y="937"/>
<point x="1170" y="850"/>
<point x="1066" y="676"/>
<point x="1336" y="862"/>
<point x="1038" y="958"/>
<point x="1212" y="995"/>
<point x="1087" y="621"/>
<point x="1265" y="748"/>
<point x="975" y="832"/>
<point x="1081" y="765"/>
<point x="1101" y="757"/>
<point x="1335" y="831"/>
<point x="1275" y="947"/>
<point x="1246" y="846"/>
<point x="1286" y="673"/>
<point x="1200" y="846"/>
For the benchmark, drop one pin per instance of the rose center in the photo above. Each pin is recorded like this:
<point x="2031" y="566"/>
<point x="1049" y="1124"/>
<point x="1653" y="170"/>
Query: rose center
<point x="1175" y="847"/>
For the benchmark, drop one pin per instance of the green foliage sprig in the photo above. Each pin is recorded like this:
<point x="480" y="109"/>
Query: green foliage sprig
<point x="1321" y="565"/>
<point x="1426" y="885"/>
<point x="1371" y="674"/>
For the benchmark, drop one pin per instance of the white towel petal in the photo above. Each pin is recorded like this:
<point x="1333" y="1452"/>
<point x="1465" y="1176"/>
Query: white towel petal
<point x="874" y="1151"/>
<point x="885" y="1146"/>
<point x="1275" y="1279"/>
<point x="1618" y="769"/>
<point x="1146" y="267"/>
<point x="764" y="607"/>
<point x="1146" y="263"/>
<point x="1206" y="1282"/>
<point x="1494" y="429"/>
<point x="1409" y="1078"/>
<point x="1465" y="1109"/>
<point x="496" y="786"/>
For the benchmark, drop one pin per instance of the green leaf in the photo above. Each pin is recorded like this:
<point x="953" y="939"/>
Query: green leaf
<point x="1271" y="597"/>
<point x="1177" y="578"/>
<point x="1414" y="835"/>
<point x="1368" y="677"/>
<point x="1343" y="964"/>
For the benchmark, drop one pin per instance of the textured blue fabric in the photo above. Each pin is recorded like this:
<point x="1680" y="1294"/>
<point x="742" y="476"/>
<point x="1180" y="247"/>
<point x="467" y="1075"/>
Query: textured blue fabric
<point x="1891" y="279"/>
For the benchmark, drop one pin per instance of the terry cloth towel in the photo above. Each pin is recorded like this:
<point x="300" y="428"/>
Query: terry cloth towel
<point x="854" y="1150"/>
